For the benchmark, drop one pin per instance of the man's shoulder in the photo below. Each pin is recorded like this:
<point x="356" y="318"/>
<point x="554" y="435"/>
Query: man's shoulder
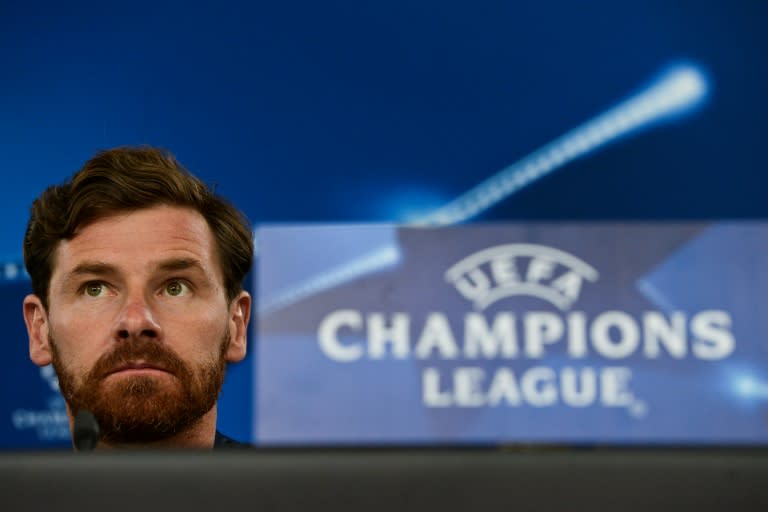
<point x="223" y="442"/>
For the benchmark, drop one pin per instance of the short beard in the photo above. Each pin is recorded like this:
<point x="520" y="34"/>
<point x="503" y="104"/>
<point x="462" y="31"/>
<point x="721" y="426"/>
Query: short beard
<point x="143" y="409"/>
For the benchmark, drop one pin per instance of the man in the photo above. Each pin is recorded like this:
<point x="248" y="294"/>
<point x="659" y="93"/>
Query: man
<point x="137" y="271"/>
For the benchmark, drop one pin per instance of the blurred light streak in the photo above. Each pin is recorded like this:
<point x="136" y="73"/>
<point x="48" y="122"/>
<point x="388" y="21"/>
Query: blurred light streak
<point x="678" y="91"/>
<point x="747" y="386"/>
<point x="372" y="262"/>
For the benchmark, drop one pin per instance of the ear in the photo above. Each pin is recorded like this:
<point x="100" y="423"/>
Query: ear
<point x="239" y="315"/>
<point x="37" y="328"/>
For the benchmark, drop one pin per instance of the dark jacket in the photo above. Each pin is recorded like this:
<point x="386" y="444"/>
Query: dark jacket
<point x="223" y="442"/>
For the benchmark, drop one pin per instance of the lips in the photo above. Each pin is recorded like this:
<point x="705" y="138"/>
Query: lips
<point x="138" y="366"/>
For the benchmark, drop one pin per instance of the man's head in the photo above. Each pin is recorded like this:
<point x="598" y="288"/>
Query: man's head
<point x="137" y="271"/>
<point x="123" y="180"/>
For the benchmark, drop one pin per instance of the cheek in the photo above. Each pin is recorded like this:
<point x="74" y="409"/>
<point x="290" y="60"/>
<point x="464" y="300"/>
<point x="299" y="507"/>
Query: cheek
<point x="78" y="341"/>
<point x="84" y="318"/>
<point x="198" y="334"/>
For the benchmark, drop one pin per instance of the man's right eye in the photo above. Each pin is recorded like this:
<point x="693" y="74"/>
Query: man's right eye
<point x="94" y="289"/>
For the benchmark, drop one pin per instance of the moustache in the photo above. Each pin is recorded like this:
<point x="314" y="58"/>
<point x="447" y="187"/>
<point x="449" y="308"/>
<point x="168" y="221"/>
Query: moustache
<point x="142" y="353"/>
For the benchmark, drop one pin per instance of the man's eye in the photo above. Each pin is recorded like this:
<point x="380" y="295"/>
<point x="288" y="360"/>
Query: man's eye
<point x="176" y="288"/>
<point x="94" y="289"/>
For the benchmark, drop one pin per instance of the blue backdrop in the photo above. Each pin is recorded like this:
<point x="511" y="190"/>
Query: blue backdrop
<point x="377" y="111"/>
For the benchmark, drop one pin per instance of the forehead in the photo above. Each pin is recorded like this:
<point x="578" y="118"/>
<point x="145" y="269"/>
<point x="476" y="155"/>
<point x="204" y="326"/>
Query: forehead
<point x="135" y="240"/>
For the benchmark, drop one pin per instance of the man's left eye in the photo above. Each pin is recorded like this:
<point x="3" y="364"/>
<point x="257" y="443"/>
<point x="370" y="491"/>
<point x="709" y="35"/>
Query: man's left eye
<point x="176" y="288"/>
<point x="94" y="289"/>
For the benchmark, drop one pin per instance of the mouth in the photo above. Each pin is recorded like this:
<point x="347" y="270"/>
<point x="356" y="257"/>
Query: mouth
<point x="137" y="368"/>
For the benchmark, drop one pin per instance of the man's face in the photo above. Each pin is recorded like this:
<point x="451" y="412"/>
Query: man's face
<point x="138" y="326"/>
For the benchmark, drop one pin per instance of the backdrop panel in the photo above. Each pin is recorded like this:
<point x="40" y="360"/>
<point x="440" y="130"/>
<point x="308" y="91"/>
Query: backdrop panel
<point x="576" y="333"/>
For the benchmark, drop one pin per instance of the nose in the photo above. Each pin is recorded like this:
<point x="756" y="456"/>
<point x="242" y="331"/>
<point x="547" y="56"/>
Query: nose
<point x="136" y="320"/>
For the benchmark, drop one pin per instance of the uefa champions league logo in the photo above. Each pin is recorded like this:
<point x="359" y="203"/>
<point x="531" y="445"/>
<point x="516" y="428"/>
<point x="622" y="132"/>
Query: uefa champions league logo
<point x="526" y="356"/>
<point x="520" y="269"/>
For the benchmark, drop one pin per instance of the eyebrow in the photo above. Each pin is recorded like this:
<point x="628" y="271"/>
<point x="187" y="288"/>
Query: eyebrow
<point x="98" y="268"/>
<point x="92" y="268"/>
<point x="179" y="264"/>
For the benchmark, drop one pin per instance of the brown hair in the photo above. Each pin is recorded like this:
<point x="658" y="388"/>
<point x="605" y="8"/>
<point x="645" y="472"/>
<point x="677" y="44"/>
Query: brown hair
<point x="126" y="179"/>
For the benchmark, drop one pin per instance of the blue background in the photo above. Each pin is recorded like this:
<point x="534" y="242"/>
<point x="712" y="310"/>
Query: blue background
<point x="371" y="111"/>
